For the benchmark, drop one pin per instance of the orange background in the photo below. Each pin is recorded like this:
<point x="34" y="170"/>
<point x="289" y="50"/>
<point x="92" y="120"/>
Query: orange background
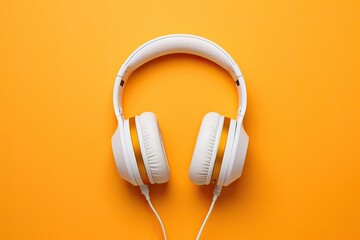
<point x="301" y="62"/>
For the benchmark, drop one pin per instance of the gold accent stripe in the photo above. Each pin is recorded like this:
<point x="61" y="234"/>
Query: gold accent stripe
<point x="221" y="150"/>
<point x="137" y="151"/>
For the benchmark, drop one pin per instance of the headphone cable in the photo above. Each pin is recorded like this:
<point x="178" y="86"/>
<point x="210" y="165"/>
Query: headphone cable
<point x="217" y="192"/>
<point x="145" y="191"/>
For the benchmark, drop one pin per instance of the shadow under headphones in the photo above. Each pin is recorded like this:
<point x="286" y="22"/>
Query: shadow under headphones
<point x="222" y="142"/>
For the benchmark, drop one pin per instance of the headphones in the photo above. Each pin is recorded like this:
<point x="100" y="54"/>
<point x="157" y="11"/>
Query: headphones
<point x="222" y="142"/>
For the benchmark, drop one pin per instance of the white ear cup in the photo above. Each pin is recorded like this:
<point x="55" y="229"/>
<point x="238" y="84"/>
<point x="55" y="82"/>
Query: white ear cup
<point x="152" y="148"/>
<point x="204" y="155"/>
<point x="130" y="154"/>
<point x="122" y="161"/>
<point x="225" y="165"/>
<point x="238" y="155"/>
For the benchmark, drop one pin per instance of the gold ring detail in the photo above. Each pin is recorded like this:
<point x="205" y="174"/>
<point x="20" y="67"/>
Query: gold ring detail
<point x="221" y="150"/>
<point x="137" y="151"/>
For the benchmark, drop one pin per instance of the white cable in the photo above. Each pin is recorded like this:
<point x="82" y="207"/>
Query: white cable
<point x="145" y="191"/>
<point x="206" y="218"/>
<point x="217" y="191"/>
<point x="158" y="217"/>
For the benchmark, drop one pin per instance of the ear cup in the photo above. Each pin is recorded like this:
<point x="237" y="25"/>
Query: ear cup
<point x="205" y="149"/>
<point x="238" y="155"/>
<point x="133" y="152"/>
<point x="152" y="148"/>
<point x="122" y="162"/>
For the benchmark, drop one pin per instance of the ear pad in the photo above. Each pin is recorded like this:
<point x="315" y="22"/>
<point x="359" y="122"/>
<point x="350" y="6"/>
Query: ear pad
<point x="152" y="148"/>
<point x="202" y="163"/>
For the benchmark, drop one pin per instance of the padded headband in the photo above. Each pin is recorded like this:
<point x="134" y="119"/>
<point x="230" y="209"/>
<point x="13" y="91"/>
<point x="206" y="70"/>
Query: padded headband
<point x="179" y="43"/>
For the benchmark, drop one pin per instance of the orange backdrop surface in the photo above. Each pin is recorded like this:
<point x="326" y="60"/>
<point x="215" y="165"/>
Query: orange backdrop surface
<point x="58" y="62"/>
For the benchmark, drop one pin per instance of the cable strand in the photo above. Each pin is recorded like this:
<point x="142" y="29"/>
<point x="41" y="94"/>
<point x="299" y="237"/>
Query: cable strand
<point x="145" y="191"/>
<point x="158" y="217"/>
<point x="217" y="192"/>
<point x="205" y="220"/>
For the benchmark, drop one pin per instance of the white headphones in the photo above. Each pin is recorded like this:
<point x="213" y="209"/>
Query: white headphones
<point x="222" y="142"/>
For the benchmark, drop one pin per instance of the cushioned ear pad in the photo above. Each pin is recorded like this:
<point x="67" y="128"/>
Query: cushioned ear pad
<point x="202" y="162"/>
<point x="152" y="148"/>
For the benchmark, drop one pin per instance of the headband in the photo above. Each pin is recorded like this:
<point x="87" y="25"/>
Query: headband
<point x="179" y="43"/>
